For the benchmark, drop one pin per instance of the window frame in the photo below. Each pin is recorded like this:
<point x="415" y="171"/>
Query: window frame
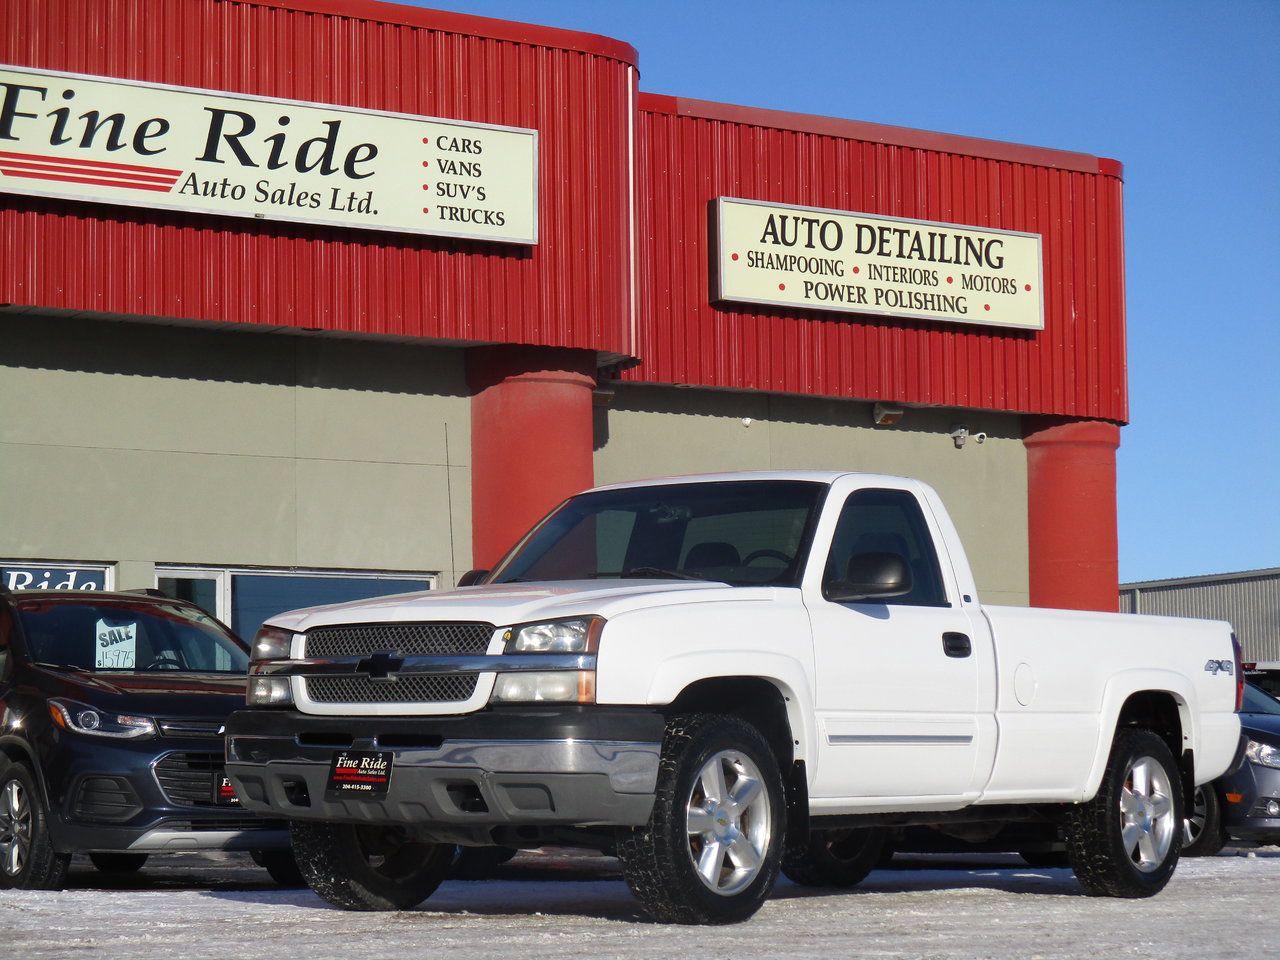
<point x="224" y="576"/>
<point x="932" y="537"/>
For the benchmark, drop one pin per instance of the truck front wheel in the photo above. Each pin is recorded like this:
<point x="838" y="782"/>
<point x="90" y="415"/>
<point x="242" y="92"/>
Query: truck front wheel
<point x="711" y="849"/>
<point x="368" y="868"/>
<point x="1125" y="842"/>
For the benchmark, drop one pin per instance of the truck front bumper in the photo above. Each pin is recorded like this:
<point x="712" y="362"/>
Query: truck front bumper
<point x="571" y="766"/>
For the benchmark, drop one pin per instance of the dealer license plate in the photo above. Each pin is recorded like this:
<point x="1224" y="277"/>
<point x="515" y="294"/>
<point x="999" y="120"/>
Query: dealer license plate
<point x="358" y="775"/>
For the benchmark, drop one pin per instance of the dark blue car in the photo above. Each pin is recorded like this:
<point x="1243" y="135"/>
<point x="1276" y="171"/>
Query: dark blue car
<point x="111" y="714"/>
<point x="1244" y="805"/>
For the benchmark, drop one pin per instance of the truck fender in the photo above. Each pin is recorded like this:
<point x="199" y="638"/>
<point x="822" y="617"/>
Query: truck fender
<point x="1119" y="689"/>
<point x="676" y="673"/>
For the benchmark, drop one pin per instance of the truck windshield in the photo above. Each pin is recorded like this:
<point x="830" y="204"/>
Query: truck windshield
<point x="96" y="635"/>
<point x="742" y="532"/>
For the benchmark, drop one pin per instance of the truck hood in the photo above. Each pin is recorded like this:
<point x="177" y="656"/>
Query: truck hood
<point x="510" y="603"/>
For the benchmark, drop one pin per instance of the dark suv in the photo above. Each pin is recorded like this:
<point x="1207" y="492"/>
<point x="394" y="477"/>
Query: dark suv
<point x="111" y="713"/>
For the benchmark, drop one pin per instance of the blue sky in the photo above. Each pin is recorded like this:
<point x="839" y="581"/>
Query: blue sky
<point x="1187" y="95"/>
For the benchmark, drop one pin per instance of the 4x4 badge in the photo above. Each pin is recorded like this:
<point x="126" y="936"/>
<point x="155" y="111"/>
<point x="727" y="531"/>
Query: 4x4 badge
<point x="1216" y="667"/>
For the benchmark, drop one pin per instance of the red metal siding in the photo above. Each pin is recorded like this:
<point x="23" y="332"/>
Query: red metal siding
<point x="572" y="289"/>
<point x="690" y="153"/>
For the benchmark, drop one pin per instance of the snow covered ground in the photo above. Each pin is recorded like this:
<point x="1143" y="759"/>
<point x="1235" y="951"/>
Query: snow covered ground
<point x="196" y="907"/>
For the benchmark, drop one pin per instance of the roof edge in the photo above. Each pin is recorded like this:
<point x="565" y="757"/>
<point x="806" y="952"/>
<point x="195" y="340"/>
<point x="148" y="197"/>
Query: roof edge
<point x="881" y="133"/>
<point x="1261" y="573"/>
<point x="464" y="23"/>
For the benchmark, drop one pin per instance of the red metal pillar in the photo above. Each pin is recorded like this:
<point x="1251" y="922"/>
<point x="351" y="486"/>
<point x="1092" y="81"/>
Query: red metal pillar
<point x="531" y="439"/>
<point x="1071" y="504"/>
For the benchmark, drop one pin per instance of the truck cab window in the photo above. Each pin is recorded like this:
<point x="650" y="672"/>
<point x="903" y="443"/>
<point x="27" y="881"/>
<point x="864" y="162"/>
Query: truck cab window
<point x="888" y="521"/>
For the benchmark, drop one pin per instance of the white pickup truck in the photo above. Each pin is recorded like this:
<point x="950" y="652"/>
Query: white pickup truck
<point x="719" y="678"/>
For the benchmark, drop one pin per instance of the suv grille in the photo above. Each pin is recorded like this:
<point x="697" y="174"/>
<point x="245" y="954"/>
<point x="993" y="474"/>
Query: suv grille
<point x="191" y="728"/>
<point x="414" y="688"/>
<point x="187" y="778"/>
<point x="406" y="639"/>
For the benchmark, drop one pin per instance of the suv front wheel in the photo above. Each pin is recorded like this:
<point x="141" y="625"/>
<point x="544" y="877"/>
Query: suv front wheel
<point x="27" y="858"/>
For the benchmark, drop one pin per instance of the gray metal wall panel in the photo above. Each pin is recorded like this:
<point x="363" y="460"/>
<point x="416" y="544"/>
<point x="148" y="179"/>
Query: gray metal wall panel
<point x="1250" y="603"/>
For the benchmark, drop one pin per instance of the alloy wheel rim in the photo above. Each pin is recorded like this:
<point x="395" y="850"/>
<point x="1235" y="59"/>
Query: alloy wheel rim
<point x="1199" y="813"/>
<point x="728" y="820"/>
<point x="15" y="828"/>
<point x="1146" y="814"/>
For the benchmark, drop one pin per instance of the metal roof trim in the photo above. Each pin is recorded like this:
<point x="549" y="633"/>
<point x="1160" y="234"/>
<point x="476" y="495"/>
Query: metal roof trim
<point x="384" y="11"/>
<point x="1261" y="573"/>
<point x="869" y="132"/>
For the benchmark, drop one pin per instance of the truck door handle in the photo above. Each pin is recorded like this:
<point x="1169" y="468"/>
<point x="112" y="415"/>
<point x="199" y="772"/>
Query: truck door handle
<point x="956" y="645"/>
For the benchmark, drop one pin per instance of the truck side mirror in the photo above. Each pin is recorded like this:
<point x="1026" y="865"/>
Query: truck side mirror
<point x="472" y="578"/>
<point x="870" y="576"/>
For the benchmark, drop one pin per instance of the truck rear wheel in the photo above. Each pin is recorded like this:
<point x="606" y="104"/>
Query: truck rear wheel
<point x="1125" y="842"/>
<point x="834" y="858"/>
<point x="369" y="868"/>
<point x="711" y="849"/>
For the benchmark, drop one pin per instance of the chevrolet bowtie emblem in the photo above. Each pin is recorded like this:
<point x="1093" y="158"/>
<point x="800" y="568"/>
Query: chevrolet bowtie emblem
<point x="381" y="666"/>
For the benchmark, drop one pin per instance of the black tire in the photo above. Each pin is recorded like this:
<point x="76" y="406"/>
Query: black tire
<point x="834" y="858"/>
<point x="1045" y="859"/>
<point x="281" y="865"/>
<point x="657" y="859"/>
<point x="368" y="868"/>
<point x="36" y="865"/>
<point x="1205" y="834"/>
<point x="118" y="863"/>
<point x="480" y="863"/>
<point x="1099" y="855"/>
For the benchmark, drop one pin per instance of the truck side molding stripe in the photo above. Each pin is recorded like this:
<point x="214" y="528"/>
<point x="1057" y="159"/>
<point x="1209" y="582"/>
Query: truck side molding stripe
<point x="897" y="738"/>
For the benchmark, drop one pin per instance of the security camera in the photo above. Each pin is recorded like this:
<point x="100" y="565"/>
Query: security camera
<point x="960" y="434"/>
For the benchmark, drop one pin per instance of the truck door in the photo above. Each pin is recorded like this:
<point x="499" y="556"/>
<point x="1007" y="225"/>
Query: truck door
<point x="897" y="679"/>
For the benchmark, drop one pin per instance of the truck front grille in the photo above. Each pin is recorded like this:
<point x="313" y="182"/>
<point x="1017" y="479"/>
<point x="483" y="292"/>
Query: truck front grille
<point x="406" y="639"/>
<point x="187" y="778"/>
<point x="414" y="688"/>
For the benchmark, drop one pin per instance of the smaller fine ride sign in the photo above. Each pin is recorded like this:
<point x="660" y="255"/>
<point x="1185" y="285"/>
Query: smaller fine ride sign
<point x="817" y="259"/>
<point x="105" y="140"/>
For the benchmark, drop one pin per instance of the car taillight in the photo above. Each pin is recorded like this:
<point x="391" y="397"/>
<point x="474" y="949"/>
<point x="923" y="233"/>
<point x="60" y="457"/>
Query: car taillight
<point x="1237" y="653"/>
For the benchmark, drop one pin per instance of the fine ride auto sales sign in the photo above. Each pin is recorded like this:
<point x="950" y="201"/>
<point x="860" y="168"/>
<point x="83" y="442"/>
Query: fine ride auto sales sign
<point x="119" y="141"/>
<point x="819" y="259"/>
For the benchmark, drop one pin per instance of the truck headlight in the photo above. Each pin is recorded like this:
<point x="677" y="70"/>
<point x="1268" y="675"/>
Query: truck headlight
<point x="272" y="643"/>
<point x="1263" y="753"/>
<point x="551" y="686"/>
<point x="82" y="718"/>
<point x="574" y="635"/>
<point x="268" y="692"/>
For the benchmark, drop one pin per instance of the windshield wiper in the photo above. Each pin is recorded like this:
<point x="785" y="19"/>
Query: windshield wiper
<point x="62" y="666"/>
<point x="651" y="573"/>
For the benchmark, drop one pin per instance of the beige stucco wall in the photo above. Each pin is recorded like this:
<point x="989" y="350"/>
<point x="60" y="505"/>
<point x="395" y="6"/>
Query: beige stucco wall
<point x="139" y="443"/>
<point x="654" y="431"/>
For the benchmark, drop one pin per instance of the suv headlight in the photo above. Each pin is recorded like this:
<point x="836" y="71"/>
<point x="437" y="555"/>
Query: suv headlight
<point x="575" y="635"/>
<point x="1263" y="753"/>
<point x="272" y="643"/>
<point x="82" y="718"/>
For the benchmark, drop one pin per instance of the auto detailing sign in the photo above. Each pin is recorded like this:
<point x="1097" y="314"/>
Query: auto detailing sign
<point x="858" y="263"/>
<point x="118" y="141"/>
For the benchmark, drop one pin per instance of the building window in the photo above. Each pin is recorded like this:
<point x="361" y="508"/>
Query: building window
<point x="60" y="575"/>
<point x="245" y="598"/>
